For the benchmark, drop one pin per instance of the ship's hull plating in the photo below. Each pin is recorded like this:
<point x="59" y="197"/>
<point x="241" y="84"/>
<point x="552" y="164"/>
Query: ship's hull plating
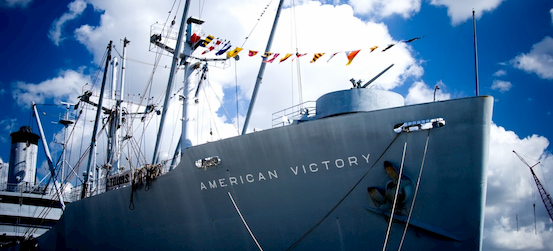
<point x="304" y="186"/>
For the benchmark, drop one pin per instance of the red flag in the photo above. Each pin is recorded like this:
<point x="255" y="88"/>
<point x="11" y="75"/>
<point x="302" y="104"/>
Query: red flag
<point x="352" y="55"/>
<point x="275" y="55"/>
<point x="252" y="53"/>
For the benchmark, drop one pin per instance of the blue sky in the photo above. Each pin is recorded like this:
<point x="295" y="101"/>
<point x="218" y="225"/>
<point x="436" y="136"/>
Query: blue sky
<point x="50" y="49"/>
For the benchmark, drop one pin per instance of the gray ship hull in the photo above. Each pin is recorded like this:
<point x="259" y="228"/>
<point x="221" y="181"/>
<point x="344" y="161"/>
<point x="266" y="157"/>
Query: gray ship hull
<point x="304" y="186"/>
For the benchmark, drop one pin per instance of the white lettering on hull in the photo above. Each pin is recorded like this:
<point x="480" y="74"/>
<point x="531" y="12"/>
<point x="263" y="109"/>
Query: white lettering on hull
<point x="328" y="165"/>
<point x="242" y="179"/>
<point x="314" y="167"/>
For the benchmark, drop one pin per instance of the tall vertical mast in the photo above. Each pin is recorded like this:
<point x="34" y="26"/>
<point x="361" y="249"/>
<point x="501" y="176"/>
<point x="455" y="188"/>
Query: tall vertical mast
<point x="113" y="77"/>
<point x="174" y="66"/>
<point x="91" y="166"/>
<point x="120" y="101"/>
<point x="475" y="51"/>
<point x="261" y="70"/>
<point x="113" y="124"/>
<point x="65" y="122"/>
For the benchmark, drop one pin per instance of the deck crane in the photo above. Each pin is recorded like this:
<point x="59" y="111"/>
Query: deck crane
<point x="545" y="197"/>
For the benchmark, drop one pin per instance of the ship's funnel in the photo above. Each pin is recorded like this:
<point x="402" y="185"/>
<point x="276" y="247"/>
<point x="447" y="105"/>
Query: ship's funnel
<point x="23" y="156"/>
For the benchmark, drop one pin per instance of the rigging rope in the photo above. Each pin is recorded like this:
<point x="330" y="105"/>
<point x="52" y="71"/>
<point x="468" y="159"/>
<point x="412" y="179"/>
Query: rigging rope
<point x="256" y="23"/>
<point x="388" y="230"/>
<point x="416" y="191"/>
<point x="244" y="221"/>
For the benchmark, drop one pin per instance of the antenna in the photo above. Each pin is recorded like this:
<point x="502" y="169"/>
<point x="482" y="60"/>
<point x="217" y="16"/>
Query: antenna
<point x="475" y="51"/>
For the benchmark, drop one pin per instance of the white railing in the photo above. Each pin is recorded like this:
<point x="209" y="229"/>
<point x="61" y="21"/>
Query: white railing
<point x="294" y="113"/>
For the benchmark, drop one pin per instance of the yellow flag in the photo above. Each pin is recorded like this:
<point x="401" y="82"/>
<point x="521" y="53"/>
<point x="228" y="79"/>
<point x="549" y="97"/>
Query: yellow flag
<point x="285" y="57"/>
<point x="316" y="56"/>
<point x="234" y="52"/>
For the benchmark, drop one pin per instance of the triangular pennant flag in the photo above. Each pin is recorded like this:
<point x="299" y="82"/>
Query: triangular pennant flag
<point x="266" y="55"/>
<point x="389" y="46"/>
<point x="275" y="55"/>
<point x="331" y="56"/>
<point x="373" y="48"/>
<point x="252" y="53"/>
<point x="234" y="52"/>
<point x="212" y="46"/>
<point x="300" y="55"/>
<point x="285" y="57"/>
<point x="412" y="39"/>
<point x="206" y="41"/>
<point x="225" y="48"/>
<point x="352" y="55"/>
<point x="316" y="56"/>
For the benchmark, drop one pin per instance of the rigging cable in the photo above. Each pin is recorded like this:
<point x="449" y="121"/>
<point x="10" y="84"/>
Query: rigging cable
<point x="244" y="221"/>
<point x="256" y="23"/>
<point x="296" y="243"/>
<point x="388" y="230"/>
<point x="416" y="191"/>
<point x="222" y="106"/>
<point x="236" y="96"/>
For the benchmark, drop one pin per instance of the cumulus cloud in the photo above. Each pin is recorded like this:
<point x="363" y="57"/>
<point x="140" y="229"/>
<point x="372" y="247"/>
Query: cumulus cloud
<point x="66" y="87"/>
<point x="15" y="3"/>
<point x="419" y="92"/>
<point x="385" y="8"/>
<point x="512" y="193"/>
<point x="76" y="8"/>
<point x="501" y="86"/>
<point x="460" y="11"/>
<point x="280" y="88"/>
<point x="539" y="60"/>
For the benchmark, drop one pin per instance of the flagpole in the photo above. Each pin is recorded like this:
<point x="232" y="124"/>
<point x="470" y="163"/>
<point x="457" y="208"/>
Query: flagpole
<point x="475" y="51"/>
<point x="261" y="70"/>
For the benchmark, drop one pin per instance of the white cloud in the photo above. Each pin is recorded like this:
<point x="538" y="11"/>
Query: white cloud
<point x="500" y="73"/>
<point x="419" y="92"/>
<point x="15" y="3"/>
<point x="539" y="60"/>
<point x="279" y="89"/>
<point x="8" y="126"/>
<point x="66" y="87"/>
<point x="551" y="11"/>
<point x="460" y="11"/>
<point x="500" y="85"/>
<point x="76" y="8"/>
<point x="512" y="193"/>
<point x="385" y="8"/>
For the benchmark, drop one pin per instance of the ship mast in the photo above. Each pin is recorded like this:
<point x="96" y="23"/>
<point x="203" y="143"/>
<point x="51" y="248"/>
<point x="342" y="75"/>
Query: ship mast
<point x="174" y="65"/>
<point x="91" y="166"/>
<point x="261" y="70"/>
